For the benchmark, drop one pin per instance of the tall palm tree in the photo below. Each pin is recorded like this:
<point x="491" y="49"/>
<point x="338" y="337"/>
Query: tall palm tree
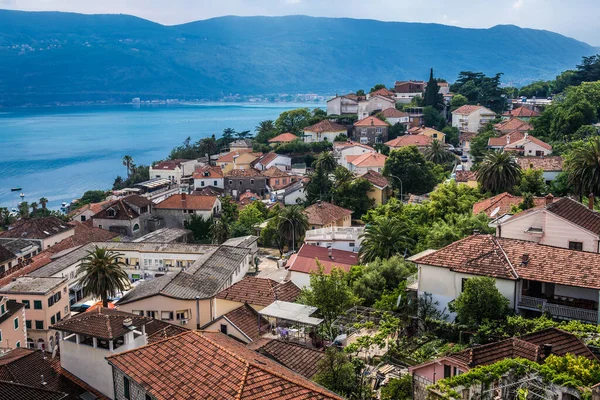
<point x="498" y="172"/>
<point x="127" y="162"/>
<point x="228" y="135"/>
<point x="34" y="207"/>
<point x="342" y="176"/>
<point x="265" y="127"/>
<point x="437" y="153"/>
<point x="208" y="146"/>
<point x="583" y="168"/>
<point x="384" y="238"/>
<point x="103" y="274"/>
<point x="293" y="223"/>
<point x="326" y="161"/>
<point x="43" y="202"/>
<point x="24" y="210"/>
<point x="242" y="134"/>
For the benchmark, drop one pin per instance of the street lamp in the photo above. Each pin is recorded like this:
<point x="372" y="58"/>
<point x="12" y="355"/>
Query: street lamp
<point x="293" y="233"/>
<point x="401" y="198"/>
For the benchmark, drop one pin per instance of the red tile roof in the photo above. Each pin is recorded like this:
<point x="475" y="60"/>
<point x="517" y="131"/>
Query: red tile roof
<point x="326" y="126"/>
<point x="466" y="176"/>
<point x="410" y="140"/>
<point x="546" y="163"/>
<point x="260" y="291"/>
<point x="169" y="165"/>
<point x="383" y="92"/>
<point x="502" y="204"/>
<point x="506" y="139"/>
<point x="371" y="121"/>
<point x="393" y="113"/>
<point x="298" y="358"/>
<point x="95" y="208"/>
<point x="470" y="109"/>
<point x="36" y="228"/>
<point x="514" y="146"/>
<point x="376" y="178"/>
<point x="368" y="160"/>
<point x="513" y="124"/>
<point x="210" y="365"/>
<point x="213" y="172"/>
<point x="245" y="318"/>
<point x="576" y="213"/>
<point x="229" y="157"/>
<point x="522" y="112"/>
<point x="275" y="172"/>
<point x="187" y="202"/>
<point x="284" y="138"/>
<point x="305" y="260"/>
<point x="266" y="158"/>
<point x="349" y="143"/>
<point x="487" y="255"/>
<point x="324" y="213"/>
<point x="243" y="173"/>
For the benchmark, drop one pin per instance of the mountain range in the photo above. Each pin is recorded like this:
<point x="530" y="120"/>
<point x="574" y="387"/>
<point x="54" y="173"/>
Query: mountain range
<point x="49" y="57"/>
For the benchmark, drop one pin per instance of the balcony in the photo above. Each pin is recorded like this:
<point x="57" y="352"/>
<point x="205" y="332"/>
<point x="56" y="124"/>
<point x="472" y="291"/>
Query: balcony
<point x="334" y="233"/>
<point x="558" y="310"/>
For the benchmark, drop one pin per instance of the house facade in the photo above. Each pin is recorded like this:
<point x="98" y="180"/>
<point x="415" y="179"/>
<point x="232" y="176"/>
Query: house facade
<point x="381" y="190"/>
<point x="269" y="160"/>
<point x="469" y="118"/>
<point x="324" y="131"/>
<point x="240" y="181"/>
<point x="127" y="216"/>
<point x="394" y="117"/>
<point x="343" y="149"/>
<point x="367" y="162"/>
<point x="46" y="301"/>
<point x="343" y="105"/>
<point x="208" y="176"/>
<point x="236" y="160"/>
<point x="278" y="179"/>
<point x="15" y="253"/>
<point x="340" y="238"/>
<point x="304" y="262"/>
<point x="370" y="130"/>
<point x="179" y="208"/>
<point x="324" y="215"/>
<point x="375" y="104"/>
<point x="44" y="232"/>
<point x="13" y="330"/>
<point x="173" y="170"/>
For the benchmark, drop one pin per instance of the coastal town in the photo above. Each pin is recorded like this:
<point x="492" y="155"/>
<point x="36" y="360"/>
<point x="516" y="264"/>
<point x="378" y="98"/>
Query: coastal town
<point x="419" y="240"/>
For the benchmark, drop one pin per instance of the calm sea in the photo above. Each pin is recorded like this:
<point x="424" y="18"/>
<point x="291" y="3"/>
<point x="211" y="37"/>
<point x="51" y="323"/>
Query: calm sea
<point x="59" y="153"/>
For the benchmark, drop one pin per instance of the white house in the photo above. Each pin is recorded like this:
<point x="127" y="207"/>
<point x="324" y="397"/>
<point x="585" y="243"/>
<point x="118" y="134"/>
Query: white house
<point x="551" y="165"/>
<point x="292" y="195"/>
<point x="208" y="176"/>
<point x="173" y="170"/>
<point x="342" y="150"/>
<point x="324" y="131"/>
<point x="304" y="262"/>
<point x="343" y="105"/>
<point x="279" y="161"/>
<point x="373" y="105"/>
<point x="394" y="117"/>
<point x="336" y="237"/>
<point x="470" y="118"/>
<point x="530" y="146"/>
<point x="367" y="162"/>
<point x="562" y="223"/>
<point x="534" y="278"/>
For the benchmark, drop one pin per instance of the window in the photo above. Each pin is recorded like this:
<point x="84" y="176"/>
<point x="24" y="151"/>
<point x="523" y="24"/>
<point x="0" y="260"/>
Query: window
<point x="435" y="136"/>
<point x="166" y="315"/>
<point x="351" y="244"/>
<point x="66" y="310"/>
<point x="231" y="182"/>
<point x="57" y="297"/>
<point x="148" y="397"/>
<point x="182" y="314"/>
<point x="83" y="218"/>
<point x="379" y="131"/>
<point x="58" y="316"/>
<point x="462" y="284"/>
<point x="18" y="344"/>
<point x="576" y="246"/>
<point x="110" y="212"/>
<point x="136" y="227"/>
<point x="100" y="226"/>
<point x="241" y="183"/>
<point x="126" y="393"/>
<point x="52" y="320"/>
<point x="72" y="275"/>
<point x="37" y="304"/>
<point x="39" y="324"/>
<point x="138" y="312"/>
<point x="201" y="183"/>
<point x="252" y="181"/>
<point x="277" y="181"/>
<point x="50" y="301"/>
<point x="447" y="372"/>
<point x="215" y="183"/>
<point x="151" y="314"/>
<point x="224" y="329"/>
<point x="28" y="324"/>
<point x="2" y="309"/>
<point x="16" y="323"/>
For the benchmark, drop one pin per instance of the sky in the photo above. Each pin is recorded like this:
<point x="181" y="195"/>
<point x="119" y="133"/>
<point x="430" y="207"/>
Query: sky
<point x="573" y="18"/>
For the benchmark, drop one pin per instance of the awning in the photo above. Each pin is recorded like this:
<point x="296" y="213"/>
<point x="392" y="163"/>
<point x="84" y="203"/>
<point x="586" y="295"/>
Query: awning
<point x="292" y="312"/>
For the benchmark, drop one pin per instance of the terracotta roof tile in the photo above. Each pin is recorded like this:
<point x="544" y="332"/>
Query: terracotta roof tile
<point x="502" y="204"/>
<point x="393" y="113"/>
<point x="187" y="202"/>
<point x="243" y="173"/>
<point x="213" y="172"/>
<point x="506" y="139"/>
<point x="323" y="213"/>
<point x="123" y="211"/>
<point x="275" y="172"/>
<point x="36" y="228"/>
<point x="371" y="121"/>
<point x="369" y="160"/>
<point x="298" y="358"/>
<point x="513" y="124"/>
<point x="576" y="213"/>
<point x="210" y="365"/>
<point x="522" y="112"/>
<point x="284" y="138"/>
<point x="469" y="109"/>
<point x="229" y="157"/>
<point x="305" y="260"/>
<point x="466" y="176"/>
<point x="245" y="318"/>
<point x="326" y="126"/>
<point x="382" y="92"/>
<point x="260" y="291"/>
<point x="546" y="163"/>
<point x="169" y="164"/>
<point x="410" y="140"/>
<point x="376" y="178"/>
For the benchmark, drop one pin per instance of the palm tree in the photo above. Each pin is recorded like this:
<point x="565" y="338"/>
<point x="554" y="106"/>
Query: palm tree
<point x="228" y="135"/>
<point x="219" y="231"/>
<point x="583" y="168"/>
<point x="384" y="238"/>
<point x="102" y="274"/>
<point x="24" y="210"/>
<point x="208" y="146"/>
<point x="293" y="223"/>
<point x="265" y="127"/>
<point x="437" y="153"/>
<point x="498" y="172"/>
<point x="127" y="162"/>
<point x="342" y="176"/>
<point x="34" y="207"/>
<point x="43" y="202"/>
<point x="242" y="134"/>
<point x="326" y="161"/>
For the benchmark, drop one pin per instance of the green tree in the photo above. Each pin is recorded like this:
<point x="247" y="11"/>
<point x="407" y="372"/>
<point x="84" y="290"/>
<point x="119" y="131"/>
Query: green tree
<point x="452" y="198"/>
<point x="453" y="227"/>
<point x="293" y="121"/>
<point x="360" y="93"/>
<point x="398" y="389"/>
<point x="219" y="231"/>
<point x="24" y="209"/>
<point x="528" y="201"/>
<point x="330" y="293"/>
<point x="353" y="194"/>
<point x="319" y="187"/>
<point x="208" y="146"/>
<point x="432" y="118"/>
<point x="270" y="236"/>
<point x="336" y="372"/>
<point x="228" y="136"/>
<point x="379" y="277"/>
<point x="293" y="224"/>
<point x="537" y="89"/>
<point x="532" y="181"/>
<point x="583" y="167"/>
<point x="499" y="172"/>
<point x="432" y="96"/>
<point x="326" y="161"/>
<point x="249" y="216"/>
<point x="588" y="70"/>
<point x="479" y="144"/>
<point x="199" y="226"/>
<point x="458" y="101"/>
<point x="102" y="274"/>
<point x="5" y="218"/>
<point x="480" y="301"/>
<point x="383" y="239"/>
<point x="438" y="153"/>
<point x="265" y="130"/>
<point x="452" y="135"/>
<point x="396" y="130"/>
<point x="127" y="163"/>
<point x="480" y="89"/>
<point x="409" y="165"/>
<point x="377" y="87"/>
<point x="229" y="210"/>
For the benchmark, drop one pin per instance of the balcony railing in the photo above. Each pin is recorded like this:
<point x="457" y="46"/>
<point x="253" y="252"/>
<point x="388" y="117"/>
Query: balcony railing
<point x="557" y="310"/>
<point x="334" y="233"/>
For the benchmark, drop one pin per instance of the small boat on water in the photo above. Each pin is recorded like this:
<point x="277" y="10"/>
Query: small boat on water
<point x="15" y="189"/>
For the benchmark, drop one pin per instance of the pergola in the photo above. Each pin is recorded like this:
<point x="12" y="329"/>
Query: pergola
<point x="296" y="315"/>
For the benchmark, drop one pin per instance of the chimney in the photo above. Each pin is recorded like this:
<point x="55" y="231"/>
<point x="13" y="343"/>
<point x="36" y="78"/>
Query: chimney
<point x="591" y="201"/>
<point x="547" y="350"/>
<point x="127" y="322"/>
<point x="525" y="259"/>
<point x="183" y="196"/>
<point x="508" y="139"/>
<point x="372" y="121"/>
<point x="549" y="199"/>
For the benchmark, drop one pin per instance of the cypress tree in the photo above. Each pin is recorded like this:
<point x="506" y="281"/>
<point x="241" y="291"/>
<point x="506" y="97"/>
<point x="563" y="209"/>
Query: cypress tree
<point x="431" y="93"/>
